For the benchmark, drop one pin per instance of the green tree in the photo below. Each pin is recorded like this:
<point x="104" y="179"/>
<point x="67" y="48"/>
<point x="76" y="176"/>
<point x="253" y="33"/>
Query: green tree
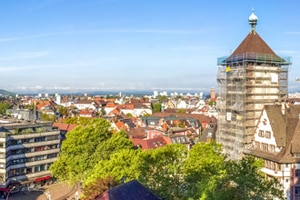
<point x="181" y="111"/>
<point x="156" y="107"/>
<point x="244" y="180"/>
<point x="103" y="112"/>
<point x="84" y="147"/>
<point x="120" y="165"/>
<point x="48" y="117"/>
<point x="162" y="98"/>
<point x="204" y="163"/>
<point x="95" y="189"/>
<point x="114" y="143"/>
<point x="161" y="170"/>
<point x="77" y="120"/>
<point x="3" y="107"/>
<point x="63" y="111"/>
<point x="31" y="106"/>
<point x="211" y="102"/>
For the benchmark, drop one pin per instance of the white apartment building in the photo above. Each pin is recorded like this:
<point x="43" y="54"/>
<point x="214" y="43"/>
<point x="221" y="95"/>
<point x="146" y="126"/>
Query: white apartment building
<point x="27" y="149"/>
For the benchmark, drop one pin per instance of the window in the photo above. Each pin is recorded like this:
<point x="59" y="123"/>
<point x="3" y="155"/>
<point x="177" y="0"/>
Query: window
<point x="297" y="173"/>
<point x="274" y="78"/>
<point x="271" y="165"/>
<point x="265" y="146"/>
<point x="29" y="170"/>
<point x="261" y="133"/>
<point x="257" y="145"/>
<point x="268" y="134"/>
<point x="40" y="148"/>
<point x="272" y="148"/>
<point x="297" y="191"/>
<point x="39" y="139"/>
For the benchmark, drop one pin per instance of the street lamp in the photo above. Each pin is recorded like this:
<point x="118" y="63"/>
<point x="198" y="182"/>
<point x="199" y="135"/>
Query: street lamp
<point x="11" y="189"/>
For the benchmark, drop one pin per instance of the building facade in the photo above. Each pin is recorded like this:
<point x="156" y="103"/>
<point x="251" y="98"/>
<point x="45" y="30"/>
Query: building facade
<point x="251" y="77"/>
<point x="277" y="143"/>
<point x="27" y="149"/>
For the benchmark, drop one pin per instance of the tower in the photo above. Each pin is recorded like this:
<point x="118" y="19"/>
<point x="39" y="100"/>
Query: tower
<point x="251" y="77"/>
<point x="213" y="93"/>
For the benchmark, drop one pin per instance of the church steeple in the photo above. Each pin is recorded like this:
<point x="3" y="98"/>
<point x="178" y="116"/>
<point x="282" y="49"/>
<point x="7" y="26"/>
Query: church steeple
<point x="253" y="21"/>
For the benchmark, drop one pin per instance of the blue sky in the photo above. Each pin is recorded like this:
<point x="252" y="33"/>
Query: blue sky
<point x="71" y="45"/>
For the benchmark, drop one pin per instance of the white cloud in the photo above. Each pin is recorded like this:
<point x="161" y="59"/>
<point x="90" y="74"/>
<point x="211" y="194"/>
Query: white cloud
<point x="25" y="55"/>
<point x="155" y="31"/>
<point x="14" y="68"/>
<point x="292" y="32"/>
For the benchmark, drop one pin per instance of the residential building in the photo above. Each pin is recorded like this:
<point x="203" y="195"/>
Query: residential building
<point x="87" y="104"/>
<point x="277" y="142"/>
<point x="251" y="77"/>
<point x="27" y="149"/>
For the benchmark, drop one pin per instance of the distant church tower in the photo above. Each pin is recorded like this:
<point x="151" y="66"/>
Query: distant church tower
<point x="251" y="77"/>
<point x="213" y="93"/>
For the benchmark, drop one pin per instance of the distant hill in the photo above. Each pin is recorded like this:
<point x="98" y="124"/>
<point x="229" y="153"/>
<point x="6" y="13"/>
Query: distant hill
<point x="6" y="93"/>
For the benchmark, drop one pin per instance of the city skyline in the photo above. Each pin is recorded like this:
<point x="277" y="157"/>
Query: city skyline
<point x="72" y="45"/>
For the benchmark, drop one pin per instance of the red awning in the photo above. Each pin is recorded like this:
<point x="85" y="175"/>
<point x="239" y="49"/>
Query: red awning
<point x="4" y="189"/>
<point x="42" y="178"/>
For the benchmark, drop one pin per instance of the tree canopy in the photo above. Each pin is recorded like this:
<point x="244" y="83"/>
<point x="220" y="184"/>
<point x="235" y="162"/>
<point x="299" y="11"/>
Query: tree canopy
<point x="84" y="147"/>
<point x="156" y="107"/>
<point x="77" y="120"/>
<point x="93" y="154"/>
<point x="3" y="107"/>
<point x="174" y="172"/>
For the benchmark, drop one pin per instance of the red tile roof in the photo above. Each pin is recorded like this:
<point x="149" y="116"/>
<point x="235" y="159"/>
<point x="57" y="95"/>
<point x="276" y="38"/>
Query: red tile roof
<point x="253" y="43"/>
<point x="63" y="126"/>
<point x="121" y="125"/>
<point x="150" y="143"/>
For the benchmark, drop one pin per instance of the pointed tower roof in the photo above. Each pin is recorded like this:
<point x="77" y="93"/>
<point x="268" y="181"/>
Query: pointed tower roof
<point x="253" y="45"/>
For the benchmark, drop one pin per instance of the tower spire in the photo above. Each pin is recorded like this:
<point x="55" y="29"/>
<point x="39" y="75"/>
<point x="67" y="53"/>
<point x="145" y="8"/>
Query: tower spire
<point x="253" y="21"/>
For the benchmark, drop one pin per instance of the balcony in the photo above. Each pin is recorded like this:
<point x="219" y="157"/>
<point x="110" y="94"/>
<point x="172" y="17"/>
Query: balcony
<point x="34" y="144"/>
<point x="28" y="155"/>
<point x="31" y="164"/>
<point x="33" y="135"/>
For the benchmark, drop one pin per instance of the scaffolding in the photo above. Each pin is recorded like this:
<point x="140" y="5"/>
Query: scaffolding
<point x="246" y="83"/>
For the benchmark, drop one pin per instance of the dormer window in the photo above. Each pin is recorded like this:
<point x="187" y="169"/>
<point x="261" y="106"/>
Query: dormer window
<point x="268" y="134"/>
<point x="261" y="133"/>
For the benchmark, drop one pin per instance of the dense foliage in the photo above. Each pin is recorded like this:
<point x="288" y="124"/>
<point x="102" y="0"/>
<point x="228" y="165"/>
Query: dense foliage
<point x="156" y="107"/>
<point x="77" y="120"/>
<point x="91" y="154"/>
<point x="84" y="147"/>
<point x="98" y="187"/>
<point x="3" y="107"/>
